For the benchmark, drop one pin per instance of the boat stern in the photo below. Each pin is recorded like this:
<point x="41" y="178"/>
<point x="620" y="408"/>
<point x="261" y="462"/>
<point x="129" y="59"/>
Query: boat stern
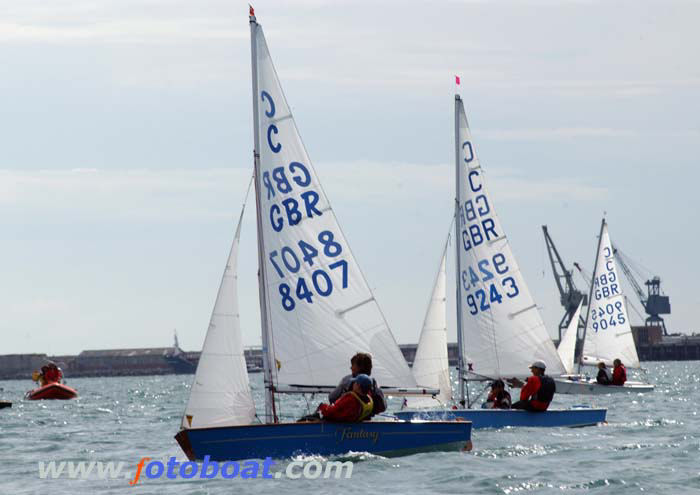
<point x="184" y="441"/>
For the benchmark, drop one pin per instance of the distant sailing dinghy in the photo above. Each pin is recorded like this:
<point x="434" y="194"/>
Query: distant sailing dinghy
<point x="567" y="346"/>
<point x="499" y="329"/>
<point x="431" y="367"/>
<point x="607" y="335"/>
<point x="316" y="312"/>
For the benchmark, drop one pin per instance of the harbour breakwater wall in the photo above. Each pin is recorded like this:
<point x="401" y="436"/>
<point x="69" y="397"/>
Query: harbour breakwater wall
<point x="116" y="362"/>
<point x="651" y="346"/>
<point x="133" y="362"/>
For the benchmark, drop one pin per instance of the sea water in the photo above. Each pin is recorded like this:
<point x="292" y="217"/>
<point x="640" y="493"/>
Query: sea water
<point x="651" y="444"/>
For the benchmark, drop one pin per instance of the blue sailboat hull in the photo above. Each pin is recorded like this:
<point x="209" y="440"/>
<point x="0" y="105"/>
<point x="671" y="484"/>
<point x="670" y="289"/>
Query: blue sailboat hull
<point x="284" y="440"/>
<point x="500" y="418"/>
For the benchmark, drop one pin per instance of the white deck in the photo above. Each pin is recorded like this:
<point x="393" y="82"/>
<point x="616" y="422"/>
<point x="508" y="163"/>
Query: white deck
<point x="582" y="386"/>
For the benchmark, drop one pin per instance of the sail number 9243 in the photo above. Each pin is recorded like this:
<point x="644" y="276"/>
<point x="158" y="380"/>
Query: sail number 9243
<point x="486" y="285"/>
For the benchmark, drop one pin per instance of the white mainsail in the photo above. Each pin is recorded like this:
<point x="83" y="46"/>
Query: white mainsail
<point x="319" y="310"/>
<point x="608" y="333"/>
<point x="431" y="367"/>
<point x="502" y="331"/>
<point x="220" y="394"/>
<point x="567" y="346"/>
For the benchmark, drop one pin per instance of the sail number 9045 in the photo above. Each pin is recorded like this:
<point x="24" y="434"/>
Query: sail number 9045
<point x="607" y="316"/>
<point x="320" y="281"/>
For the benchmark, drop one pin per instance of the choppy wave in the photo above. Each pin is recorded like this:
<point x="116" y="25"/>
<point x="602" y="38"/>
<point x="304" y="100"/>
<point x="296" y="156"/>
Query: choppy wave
<point x="650" y="444"/>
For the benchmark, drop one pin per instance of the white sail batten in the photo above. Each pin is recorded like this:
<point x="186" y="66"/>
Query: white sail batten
<point x="567" y="346"/>
<point x="431" y="367"/>
<point x="503" y="332"/>
<point x="220" y="394"/>
<point x="608" y="332"/>
<point x="320" y="309"/>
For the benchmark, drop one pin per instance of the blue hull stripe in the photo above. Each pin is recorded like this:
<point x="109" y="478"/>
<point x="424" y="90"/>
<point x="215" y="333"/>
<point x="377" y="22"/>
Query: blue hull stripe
<point x="286" y="440"/>
<point x="495" y="418"/>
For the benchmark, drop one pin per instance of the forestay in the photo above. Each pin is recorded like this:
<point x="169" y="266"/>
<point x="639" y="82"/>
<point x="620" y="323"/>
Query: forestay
<point x="320" y="310"/>
<point x="220" y="394"/>
<point x="431" y="366"/>
<point x="503" y="332"/>
<point x="567" y="346"/>
<point x="608" y="331"/>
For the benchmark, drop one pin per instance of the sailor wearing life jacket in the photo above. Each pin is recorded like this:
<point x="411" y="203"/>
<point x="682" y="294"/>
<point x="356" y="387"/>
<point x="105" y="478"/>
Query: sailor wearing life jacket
<point x="604" y="377"/>
<point x="353" y="406"/>
<point x="537" y="392"/>
<point x="498" y="398"/>
<point x="619" y="373"/>
<point x="360" y="363"/>
<point x="52" y="374"/>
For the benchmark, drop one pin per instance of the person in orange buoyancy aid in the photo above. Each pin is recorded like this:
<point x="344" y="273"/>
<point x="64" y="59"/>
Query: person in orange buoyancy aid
<point x="353" y="406"/>
<point x="498" y="398"/>
<point x="360" y="363"/>
<point x="39" y="376"/>
<point x="52" y="374"/>
<point x="537" y="392"/>
<point x="619" y="373"/>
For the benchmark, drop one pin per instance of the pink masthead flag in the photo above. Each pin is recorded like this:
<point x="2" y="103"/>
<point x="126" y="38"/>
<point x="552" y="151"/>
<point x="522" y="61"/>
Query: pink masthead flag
<point x="457" y="80"/>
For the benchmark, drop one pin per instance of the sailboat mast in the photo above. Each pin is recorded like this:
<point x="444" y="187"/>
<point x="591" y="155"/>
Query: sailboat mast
<point x="268" y="356"/>
<point x="458" y="267"/>
<point x="590" y="293"/>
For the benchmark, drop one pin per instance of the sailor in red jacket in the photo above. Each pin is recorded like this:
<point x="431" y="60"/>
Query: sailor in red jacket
<point x="53" y="374"/>
<point x="537" y="392"/>
<point x="353" y="406"/>
<point x="619" y="373"/>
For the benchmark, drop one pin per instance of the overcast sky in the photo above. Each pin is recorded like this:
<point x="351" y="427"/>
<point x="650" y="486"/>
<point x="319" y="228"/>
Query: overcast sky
<point x="126" y="138"/>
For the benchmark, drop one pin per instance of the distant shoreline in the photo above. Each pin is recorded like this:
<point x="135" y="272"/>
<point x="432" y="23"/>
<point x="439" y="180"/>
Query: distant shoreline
<point x="172" y="360"/>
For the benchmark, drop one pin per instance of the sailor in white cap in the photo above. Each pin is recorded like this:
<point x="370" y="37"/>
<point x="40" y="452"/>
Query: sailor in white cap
<point x="537" y="392"/>
<point x="539" y="364"/>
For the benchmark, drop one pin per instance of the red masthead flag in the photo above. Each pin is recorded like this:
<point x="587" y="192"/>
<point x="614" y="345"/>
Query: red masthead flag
<point x="456" y="77"/>
<point x="252" y="10"/>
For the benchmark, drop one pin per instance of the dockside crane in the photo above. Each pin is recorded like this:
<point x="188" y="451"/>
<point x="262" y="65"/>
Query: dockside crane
<point x="653" y="301"/>
<point x="570" y="296"/>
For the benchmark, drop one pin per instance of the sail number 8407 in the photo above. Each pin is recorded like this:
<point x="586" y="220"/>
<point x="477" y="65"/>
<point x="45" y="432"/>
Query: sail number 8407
<point x="320" y="280"/>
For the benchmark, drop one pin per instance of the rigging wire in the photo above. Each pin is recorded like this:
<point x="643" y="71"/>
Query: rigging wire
<point x="634" y="307"/>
